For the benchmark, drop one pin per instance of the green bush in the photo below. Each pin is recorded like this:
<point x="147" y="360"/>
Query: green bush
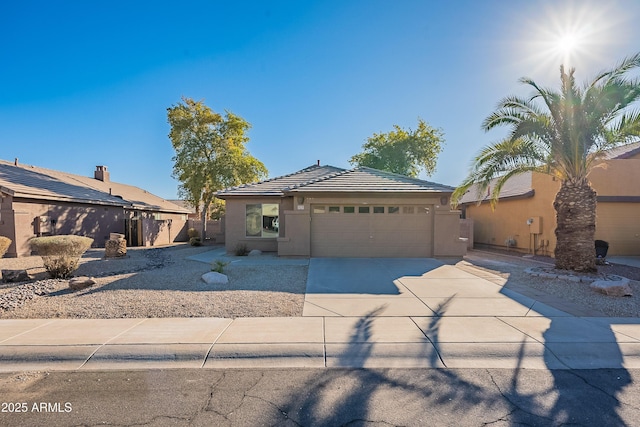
<point x="195" y="241"/>
<point x="5" y="242"/>
<point x="60" y="254"/>
<point x="218" y="266"/>
<point x="192" y="232"/>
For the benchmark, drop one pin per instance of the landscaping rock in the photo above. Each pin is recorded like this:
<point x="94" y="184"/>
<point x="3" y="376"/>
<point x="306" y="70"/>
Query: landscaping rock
<point x="78" y="283"/>
<point x="21" y="294"/>
<point x="213" y="277"/>
<point x="614" y="288"/>
<point x="115" y="248"/>
<point x="11" y="276"/>
<point x="255" y="252"/>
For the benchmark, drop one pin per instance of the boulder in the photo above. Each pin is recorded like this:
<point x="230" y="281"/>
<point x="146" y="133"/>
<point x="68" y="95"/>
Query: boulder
<point x="10" y="276"/>
<point x="213" y="277"/>
<point x="82" y="282"/>
<point x="255" y="252"/>
<point x="615" y="288"/>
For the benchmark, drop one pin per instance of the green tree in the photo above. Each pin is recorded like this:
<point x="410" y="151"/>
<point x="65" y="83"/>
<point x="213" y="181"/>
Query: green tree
<point x="210" y="153"/>
<point x="563" y="133"/>
<point x="405" y="152"/>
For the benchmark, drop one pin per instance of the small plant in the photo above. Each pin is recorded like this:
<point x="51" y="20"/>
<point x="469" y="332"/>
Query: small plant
<point x="5" y="242"/>
<point x="195" y="241"/>
<point x="241" y="250"/>
<point x="218" y="266"/>
<point x="60" y="254"/>
<point x="192" y="232"/>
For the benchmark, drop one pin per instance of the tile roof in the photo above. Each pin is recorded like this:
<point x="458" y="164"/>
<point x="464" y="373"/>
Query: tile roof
<point x="45" y="184"/>
<point x="520" y="185"/>
<point x="623" y="151"/>
<point x="333" y="179"/>
<point x="516" y="186"/>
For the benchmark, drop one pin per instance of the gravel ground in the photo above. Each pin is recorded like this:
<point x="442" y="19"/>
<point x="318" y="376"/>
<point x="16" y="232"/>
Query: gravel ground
<point x="160" y="282"/>
<point x="157" y="282"/>
<point x="512" y="266"/>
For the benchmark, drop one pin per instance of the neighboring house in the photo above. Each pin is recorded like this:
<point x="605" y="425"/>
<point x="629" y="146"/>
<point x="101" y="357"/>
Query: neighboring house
<point x="37" y="201"/>
<point x="183" y="204"/>
<point x="524" y="218"/>
<point x="324" y="211"/>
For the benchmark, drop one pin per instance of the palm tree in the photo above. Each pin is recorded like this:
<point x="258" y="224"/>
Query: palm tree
<point x="562" y="133"/>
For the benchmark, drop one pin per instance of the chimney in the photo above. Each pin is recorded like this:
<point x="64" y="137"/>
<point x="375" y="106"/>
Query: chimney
<point x="15" y="162"/>
<point x="101" y="174"/>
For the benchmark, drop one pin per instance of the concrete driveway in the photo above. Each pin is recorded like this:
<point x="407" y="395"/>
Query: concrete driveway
<point x="421" y="287"/>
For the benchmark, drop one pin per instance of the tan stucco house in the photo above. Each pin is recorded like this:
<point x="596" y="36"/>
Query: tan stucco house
<point x="524" y="218"/>
<point x="36" y="202"/>
<point x="325" y="211"/>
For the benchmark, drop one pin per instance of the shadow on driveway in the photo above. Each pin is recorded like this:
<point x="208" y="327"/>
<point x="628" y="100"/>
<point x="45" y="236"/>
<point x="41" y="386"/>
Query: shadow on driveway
<point x="374" y="276"/>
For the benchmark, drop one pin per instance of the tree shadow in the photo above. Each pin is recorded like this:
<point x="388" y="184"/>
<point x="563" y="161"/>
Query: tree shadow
<point x="569" y="393"/>
<point x="358" y="388"/>
<point x="362" y="276"/>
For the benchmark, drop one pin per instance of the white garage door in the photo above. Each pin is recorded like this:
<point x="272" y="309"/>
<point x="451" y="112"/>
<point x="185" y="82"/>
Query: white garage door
<point x="371" y="231"/>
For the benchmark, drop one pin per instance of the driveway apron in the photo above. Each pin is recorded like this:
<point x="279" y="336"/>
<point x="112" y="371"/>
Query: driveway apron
<point x="417" y="287"/>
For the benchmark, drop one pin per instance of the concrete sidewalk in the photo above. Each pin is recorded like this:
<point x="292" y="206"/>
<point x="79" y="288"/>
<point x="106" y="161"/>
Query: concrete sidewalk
<point x="392" y="314"/>
<point x="533" y="342"/>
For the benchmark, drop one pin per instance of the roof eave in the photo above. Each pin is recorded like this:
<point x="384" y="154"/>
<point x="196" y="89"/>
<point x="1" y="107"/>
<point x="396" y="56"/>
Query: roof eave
<point x="526" y="195"/>
<point x="19" y="195"/>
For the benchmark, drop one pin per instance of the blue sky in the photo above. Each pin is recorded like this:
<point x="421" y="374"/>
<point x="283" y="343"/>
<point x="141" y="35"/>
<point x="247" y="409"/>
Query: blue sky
<point x="88" y="83"/>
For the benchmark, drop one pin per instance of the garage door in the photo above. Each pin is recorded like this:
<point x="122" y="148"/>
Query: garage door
<point x="371" y="231"/>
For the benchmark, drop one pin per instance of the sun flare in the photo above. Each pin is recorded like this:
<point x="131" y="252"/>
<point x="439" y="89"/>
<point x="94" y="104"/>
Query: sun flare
<point x="567" y="43"/>
<point x="577" y="35"/>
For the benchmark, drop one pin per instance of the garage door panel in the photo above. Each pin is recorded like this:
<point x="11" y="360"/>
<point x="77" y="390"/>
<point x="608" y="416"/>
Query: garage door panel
<point x="372" y="235"/>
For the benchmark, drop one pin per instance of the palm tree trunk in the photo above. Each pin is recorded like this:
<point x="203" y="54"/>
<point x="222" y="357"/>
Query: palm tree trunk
<point x="575" y="206"/>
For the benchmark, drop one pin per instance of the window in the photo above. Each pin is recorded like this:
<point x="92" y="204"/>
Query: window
<point x="363" y="209"/>
<point x="378" y="209"/>
<point x="393" y="209"/>
<point x="349" y="209"/>
<point x="334" y="209"/>
<point x="407" y="210"/>
<point x="157" y="216"/>
<point x="318" y="209"/>
<point x="262" y="220"/>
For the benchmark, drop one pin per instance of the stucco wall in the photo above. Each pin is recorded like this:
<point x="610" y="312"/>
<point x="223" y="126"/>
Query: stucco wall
<point x="92" y="221"/>
<point x="618" y="177"/>
<point x="509" y="219"/>
<point x="446" y="234"/>
<point x="616" y="222"/>
<point x="169" y="228"/>
<point x="7" y="223"/>
<point x="296" y="240"/>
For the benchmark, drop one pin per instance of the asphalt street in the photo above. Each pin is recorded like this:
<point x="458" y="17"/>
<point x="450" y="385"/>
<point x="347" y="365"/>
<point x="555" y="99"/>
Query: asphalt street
<point x="322" y="397"/>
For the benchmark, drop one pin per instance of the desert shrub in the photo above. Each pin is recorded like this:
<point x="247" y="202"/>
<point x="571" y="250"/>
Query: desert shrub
<point x="5" y="242"/>
<point x="195" y="241"/>
<point x="241" y="250"/>
<point x="192" y="232"/>
<point x="218" y="266"/>
<point x="60" y="254"/>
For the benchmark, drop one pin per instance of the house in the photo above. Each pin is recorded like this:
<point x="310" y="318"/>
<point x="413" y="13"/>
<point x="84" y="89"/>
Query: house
<point x="524" y="218"/>
<point x="183" y="204"/>
<point x="325" y="211"/>
<point x="35" y="202"/>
